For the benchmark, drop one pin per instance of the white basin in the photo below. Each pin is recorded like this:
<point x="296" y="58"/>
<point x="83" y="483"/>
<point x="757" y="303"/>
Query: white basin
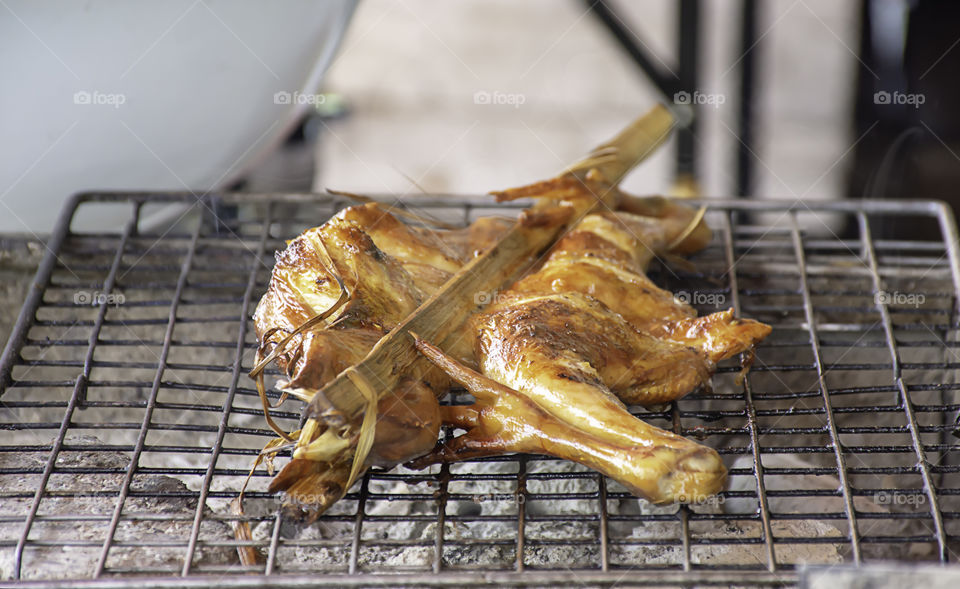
<point x="132" y="94"/>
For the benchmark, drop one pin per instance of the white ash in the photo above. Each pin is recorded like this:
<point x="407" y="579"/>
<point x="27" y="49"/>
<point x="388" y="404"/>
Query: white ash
<point x="72" y="562"/>
<point x="581" y="550"/>
<point x="724" y="551"/>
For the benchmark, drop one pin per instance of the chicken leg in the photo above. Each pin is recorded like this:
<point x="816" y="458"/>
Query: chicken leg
<point x="648" y="461"/>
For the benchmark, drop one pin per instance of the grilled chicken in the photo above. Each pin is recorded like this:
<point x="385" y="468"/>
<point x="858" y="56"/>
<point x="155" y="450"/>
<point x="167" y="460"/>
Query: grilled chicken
<point x="388" y="268"/>
<point x="564" y="348"/>
<point x="552" y="361"/>
<point x="559" y="353"/>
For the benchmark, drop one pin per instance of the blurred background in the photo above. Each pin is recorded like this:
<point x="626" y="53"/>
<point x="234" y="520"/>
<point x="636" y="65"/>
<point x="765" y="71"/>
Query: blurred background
<point x="804" y="100"/>
<point x="798" y="99"/>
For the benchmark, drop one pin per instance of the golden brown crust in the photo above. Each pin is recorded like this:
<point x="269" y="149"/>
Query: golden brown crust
<point x="573" y="338"/>
<point x="568" y="345"/>
<point x="388" y="269"/>
<point x="592" y="297"/>
<point x="565" y="347"/>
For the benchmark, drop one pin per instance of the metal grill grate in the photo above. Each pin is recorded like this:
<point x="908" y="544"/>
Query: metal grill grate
<point x="129" y="423"/>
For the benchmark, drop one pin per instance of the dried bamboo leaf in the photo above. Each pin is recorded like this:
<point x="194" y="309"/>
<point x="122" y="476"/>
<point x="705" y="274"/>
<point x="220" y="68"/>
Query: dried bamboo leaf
<point x="249" y="556"/>
<point x="367" y="428"/>
<point x="631" y="146"/>
<point x="690" y="228"/>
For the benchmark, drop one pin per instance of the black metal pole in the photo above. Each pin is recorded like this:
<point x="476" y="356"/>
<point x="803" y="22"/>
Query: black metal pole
<point x="748" y="36"/>
<point x="688" y="44"/>
<point x="627" y="40"/>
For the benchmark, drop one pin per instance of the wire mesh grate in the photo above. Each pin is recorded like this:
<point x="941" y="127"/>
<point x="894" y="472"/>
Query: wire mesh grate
<point x="130" y="425"/>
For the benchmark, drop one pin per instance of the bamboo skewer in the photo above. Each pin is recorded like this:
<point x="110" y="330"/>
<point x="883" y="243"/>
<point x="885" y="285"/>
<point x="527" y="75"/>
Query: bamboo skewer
<point x="442" y="315"/>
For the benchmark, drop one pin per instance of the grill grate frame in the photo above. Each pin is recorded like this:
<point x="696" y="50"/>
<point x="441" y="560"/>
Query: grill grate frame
<point x="837" y="307"/>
